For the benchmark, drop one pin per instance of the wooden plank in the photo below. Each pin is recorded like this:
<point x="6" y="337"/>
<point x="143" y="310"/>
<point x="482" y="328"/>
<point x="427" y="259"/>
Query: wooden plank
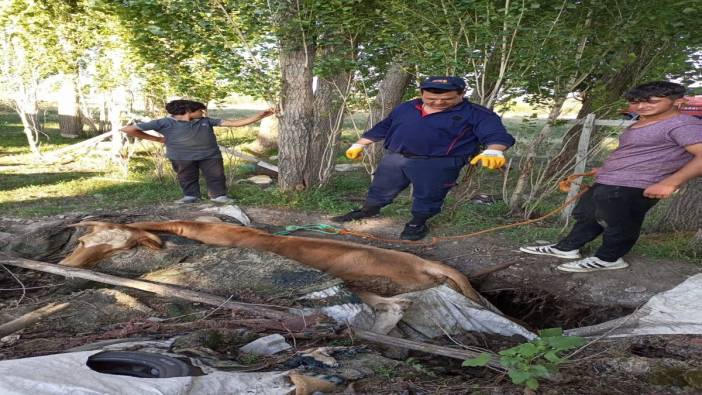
<point x="30" y="318"/>
<point x="82" y="144"/>
<point x="272" y="169"/>
<point x="424" y="347"/>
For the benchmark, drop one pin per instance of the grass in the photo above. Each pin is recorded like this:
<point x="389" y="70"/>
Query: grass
<point x="31" y="189"/>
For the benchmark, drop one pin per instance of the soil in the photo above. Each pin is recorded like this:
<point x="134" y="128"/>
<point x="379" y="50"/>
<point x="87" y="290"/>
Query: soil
<point x="530" y="290"/>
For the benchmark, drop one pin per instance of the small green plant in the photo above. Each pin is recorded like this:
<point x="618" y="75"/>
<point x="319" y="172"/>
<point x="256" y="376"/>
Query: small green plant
<point x="533" y="360"/>
<point x="385" y="371"/>
<point x="418" y="367"/>
<point x="248" y="359"/>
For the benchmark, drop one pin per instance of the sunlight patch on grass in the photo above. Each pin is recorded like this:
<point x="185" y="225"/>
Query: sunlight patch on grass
<point x="72" y="188"/>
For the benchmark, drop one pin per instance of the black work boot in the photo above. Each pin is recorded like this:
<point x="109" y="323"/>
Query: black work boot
<point x="363" y="212"/>
<point x="414" y="230"/>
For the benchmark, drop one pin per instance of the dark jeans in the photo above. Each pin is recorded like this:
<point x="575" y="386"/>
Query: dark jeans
<point x="188" y="172"/>
<point x="615" y="212"/>
<point x="431" y="179"/>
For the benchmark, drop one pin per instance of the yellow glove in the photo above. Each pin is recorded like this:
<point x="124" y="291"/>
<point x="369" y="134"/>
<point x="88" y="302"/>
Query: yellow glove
<point x="355" y="151"/>
<point x="491" y="158"/>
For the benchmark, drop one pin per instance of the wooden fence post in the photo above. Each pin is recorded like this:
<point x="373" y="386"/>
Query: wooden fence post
<point x="580" y="161"/>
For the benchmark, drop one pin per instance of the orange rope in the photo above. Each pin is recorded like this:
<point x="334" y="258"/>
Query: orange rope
<point x="565" y="182"/>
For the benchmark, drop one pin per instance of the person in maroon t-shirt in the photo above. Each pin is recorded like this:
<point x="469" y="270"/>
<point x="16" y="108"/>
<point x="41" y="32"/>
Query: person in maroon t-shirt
<point x="656" y="156"/>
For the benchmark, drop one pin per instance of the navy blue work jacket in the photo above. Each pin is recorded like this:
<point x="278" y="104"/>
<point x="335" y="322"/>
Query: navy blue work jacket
<point x="458" y="131"/>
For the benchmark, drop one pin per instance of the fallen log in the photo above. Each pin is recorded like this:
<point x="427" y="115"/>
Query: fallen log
<point x="265" y="167"/>
<point x="424" y="347"/>
<point x="85" y="143"/>
<point x="30" y="318"/>
<point x="158" y="289"/>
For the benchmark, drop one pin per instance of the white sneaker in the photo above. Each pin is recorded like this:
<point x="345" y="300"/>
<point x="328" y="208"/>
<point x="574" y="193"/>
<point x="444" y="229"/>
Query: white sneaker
<point x="551" y="251"/>
<point x="187" y="199"/>
<point x="592" y="264"/>
<point x="222" y="199"/>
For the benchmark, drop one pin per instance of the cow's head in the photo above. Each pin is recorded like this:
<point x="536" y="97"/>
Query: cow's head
<point x="106" y="238"/>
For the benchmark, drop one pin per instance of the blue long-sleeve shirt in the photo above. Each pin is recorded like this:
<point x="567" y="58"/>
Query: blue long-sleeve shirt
<point x="458" y="131"/>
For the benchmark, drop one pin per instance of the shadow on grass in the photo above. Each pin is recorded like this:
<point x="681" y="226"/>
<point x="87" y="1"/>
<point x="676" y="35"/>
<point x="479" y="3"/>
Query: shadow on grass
<point x="15" y="181"/>
<point x="108" y="198"/>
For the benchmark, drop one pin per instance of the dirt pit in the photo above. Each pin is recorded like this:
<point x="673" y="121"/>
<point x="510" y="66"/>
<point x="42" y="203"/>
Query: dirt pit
<point x="530" y="290"/>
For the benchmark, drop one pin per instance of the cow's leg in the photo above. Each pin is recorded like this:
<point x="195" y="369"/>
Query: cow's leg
<point x="388" y="311"/>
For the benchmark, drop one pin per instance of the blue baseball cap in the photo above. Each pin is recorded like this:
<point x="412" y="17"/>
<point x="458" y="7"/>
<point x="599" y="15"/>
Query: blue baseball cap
<point x="443" y="82"/>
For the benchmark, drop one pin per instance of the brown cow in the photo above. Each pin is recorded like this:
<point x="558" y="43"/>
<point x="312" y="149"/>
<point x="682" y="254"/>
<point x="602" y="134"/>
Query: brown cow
<point x="374" y="274"/>
<point x="364" y="269"/>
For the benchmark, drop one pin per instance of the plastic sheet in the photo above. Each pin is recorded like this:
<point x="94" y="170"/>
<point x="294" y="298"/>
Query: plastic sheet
<point x="61" y="374"/>
<point x="673" y="312"/>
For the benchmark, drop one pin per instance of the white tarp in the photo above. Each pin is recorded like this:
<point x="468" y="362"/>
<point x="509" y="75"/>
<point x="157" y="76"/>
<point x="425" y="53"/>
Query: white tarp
<point x="673" y="312"/>
<point x="434" y="312"/>
<point x="68" y="373"/>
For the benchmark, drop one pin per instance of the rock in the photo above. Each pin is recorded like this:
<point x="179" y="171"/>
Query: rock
<point x="268" y="345"/>
<point x="5" y="238"/>
<point x="482" y="198"/>
<point x="232" y="211"/>
<point x="261" y="179"/>
<point x="343" y="167"/>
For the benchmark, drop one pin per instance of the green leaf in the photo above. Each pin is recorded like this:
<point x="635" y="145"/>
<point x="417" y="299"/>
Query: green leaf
<point x="518" y="376"/>
<point x="532" y="384"/>
<point x="480" y="360"/>
<point x="551" y="356"/>
<point x="540" y="371"/>
<point x="510" y="352"/>
<point x="528" y="350"/>
<point x="564" y="342"/>
<point x="551" y="332"/>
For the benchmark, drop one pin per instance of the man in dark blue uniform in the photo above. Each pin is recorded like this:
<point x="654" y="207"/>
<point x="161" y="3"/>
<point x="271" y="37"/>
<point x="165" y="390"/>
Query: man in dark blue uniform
<point x="429" y="140"/>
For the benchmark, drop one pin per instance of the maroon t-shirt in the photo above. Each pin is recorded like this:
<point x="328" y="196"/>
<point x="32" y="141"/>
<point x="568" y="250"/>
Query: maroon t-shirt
<point x="651" y="153"/>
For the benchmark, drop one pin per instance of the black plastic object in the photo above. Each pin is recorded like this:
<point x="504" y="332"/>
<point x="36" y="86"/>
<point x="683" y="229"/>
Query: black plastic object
<point x="140" y="364"/>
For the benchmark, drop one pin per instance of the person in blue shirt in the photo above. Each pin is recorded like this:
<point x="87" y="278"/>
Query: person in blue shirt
<point x="428" y="141"/>
<point x="191" y="146"/>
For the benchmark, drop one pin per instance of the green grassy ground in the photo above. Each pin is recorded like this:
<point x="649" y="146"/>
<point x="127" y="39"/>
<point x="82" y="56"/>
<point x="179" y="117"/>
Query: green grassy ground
<point x="30" y="188"/>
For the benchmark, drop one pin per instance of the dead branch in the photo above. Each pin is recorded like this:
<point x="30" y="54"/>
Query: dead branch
<point x="85" y="143"/>
<point x="158" y="289"/>
<point x="425" y="347"/>
<point x="491" y="269"/>
<point x="272" y="169"/>
<point x="30" y="318"/>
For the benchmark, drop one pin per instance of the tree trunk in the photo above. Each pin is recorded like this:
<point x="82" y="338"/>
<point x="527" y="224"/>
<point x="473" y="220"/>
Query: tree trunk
<point x="26" y="105"/>
<point x="329" y="110"/>
<point x="119" y="139"/>
<point x="70" y="123"/>
<point x="267" y="136"/>
<point x="297" y="101"/>
<point x="390" y="92"/>
<point x="103" y="122"/>
<point x="487" y="83"/>
<point x="684" y="211"/>
<point x="29" y="115"/>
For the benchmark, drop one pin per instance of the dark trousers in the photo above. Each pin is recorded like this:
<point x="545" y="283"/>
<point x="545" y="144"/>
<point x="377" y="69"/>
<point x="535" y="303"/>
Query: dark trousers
<point x="431" y="179"/>
<point x="615" y="212"/>
<point x="188" y="172"/>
